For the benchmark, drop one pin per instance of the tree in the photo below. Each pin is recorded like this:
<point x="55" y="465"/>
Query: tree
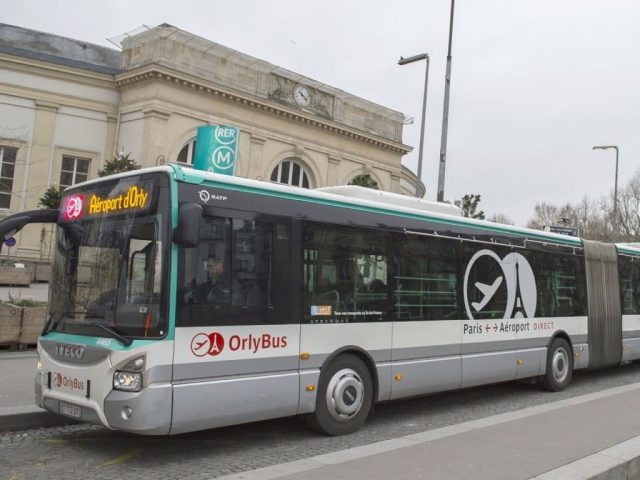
<point x="629" y="210"/>
<point x="51" y="198"/>
<point x="501" y="218"/>
<point x="469" y="206"/>
<point x="120" y="163"/>
<point x="364" y="180"/>
<point x="545" y="214"/>
<point x="595" y="219"/>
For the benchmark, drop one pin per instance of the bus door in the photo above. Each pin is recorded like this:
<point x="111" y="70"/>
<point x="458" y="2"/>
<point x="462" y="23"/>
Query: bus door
<point x="236" y="348"/>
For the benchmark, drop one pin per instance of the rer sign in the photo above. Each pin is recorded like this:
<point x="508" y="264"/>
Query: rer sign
<point x="216" y="149"/>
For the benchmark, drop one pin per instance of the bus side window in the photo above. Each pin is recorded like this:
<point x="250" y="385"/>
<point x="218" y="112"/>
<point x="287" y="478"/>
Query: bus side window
<point x="230" y="266"/>
<point x="345" y="273"/>
<point x="629" y="271"/>
<point x="426" y="281"/>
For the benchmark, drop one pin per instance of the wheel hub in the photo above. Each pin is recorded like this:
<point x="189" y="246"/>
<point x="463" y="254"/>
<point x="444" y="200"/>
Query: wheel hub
<point x="560" y="365"/>
<point x="345" y="394"/>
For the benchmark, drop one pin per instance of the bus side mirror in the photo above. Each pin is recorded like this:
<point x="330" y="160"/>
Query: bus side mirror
<point x="187" y="233"/>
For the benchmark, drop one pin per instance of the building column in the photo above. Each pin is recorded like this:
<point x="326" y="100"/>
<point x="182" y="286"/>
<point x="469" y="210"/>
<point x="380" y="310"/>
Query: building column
<point x="110" y="142"/>
<point x="395" y="183"/>
<point x="253" y="167"/>
<point x="332" y="171"/>
<point x="154" y="137"/>
<point x="43" y="172"/>
<point x="38" y="174"/>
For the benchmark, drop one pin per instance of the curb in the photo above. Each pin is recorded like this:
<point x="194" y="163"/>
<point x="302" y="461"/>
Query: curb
<point x="25" y="418"/>
<point x="620" y="461"/>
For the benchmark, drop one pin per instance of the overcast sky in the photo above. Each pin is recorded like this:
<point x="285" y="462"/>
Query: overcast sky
<point x="535" y="83"/>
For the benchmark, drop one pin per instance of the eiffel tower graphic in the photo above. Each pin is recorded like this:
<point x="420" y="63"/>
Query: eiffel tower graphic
<point x="519" y="304"/>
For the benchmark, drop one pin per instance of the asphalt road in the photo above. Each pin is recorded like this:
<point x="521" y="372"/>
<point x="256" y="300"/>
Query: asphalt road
<point x="85" y="451"/>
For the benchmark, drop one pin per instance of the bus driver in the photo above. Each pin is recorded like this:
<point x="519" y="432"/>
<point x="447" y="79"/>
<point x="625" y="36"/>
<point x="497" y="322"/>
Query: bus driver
<point x="216" y="288"/>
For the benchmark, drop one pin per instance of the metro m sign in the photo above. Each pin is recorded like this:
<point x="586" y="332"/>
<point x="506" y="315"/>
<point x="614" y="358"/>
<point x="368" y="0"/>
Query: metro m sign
<point x="216" y="149"/>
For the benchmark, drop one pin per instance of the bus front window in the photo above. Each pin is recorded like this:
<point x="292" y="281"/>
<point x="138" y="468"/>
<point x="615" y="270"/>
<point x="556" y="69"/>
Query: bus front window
<point x="108" y="273"/>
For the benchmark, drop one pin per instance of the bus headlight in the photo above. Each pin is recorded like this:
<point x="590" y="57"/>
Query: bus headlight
<point x="127" y="381"/>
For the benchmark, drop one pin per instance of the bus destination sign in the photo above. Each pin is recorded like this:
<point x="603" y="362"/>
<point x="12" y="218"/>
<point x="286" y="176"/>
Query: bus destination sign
<point x="76" y="206"/>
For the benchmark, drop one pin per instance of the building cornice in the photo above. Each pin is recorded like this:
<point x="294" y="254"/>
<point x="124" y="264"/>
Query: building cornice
<point x="155" y="73"/>
<point x="42" y="96"/>
<point x="54" y="70"/>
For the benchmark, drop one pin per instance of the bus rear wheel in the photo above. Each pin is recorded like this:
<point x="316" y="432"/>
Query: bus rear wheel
<point x="559" y="366"/>
<point x="345" y="396"/>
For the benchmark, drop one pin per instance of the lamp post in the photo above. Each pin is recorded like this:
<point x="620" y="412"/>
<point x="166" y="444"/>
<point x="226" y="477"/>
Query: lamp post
<point x="445" y="112"/>
<point x="615" y="188"/>
<point x="405" y="61"/>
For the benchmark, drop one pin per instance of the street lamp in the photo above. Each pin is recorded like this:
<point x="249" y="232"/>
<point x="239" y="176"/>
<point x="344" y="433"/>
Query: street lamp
<point x="445" y="113"/>
<point x="615" y="188"/>
<point x="404" y="61"/>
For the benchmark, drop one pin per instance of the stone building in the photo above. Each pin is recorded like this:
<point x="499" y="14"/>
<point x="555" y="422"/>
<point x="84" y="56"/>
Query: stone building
<point x="66" y="106"/>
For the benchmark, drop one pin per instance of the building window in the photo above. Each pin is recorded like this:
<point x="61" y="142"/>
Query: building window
<point x="365" y="180"/>
<point x="187" y="153"/>
<point x="74" y="170"/>
<point x="7" y="169"/>
<point x="290" y="172"/>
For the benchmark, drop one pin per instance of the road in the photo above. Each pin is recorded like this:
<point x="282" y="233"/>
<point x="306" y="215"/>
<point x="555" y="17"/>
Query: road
<point x="91" y="452"/>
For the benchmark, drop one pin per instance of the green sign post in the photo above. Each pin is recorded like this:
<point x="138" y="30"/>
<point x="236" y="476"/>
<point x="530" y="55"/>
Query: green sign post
<point x="217" y="149"/>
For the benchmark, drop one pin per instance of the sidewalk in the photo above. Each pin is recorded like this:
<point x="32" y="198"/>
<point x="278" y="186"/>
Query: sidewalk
<point x="594" y="436"/>
<point x="17" y="398"/>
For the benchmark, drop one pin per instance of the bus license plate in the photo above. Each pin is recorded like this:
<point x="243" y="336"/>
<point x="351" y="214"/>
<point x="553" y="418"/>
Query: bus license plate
<point x="70" y="410"/>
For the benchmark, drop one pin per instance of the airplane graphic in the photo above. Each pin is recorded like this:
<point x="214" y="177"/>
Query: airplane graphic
<point x="488" y="291"/>
<point x="199" y="345"/>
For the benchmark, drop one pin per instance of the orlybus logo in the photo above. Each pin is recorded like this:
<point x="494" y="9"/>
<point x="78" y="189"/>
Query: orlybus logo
<point x="207" y="344"/>
<point x="73" y="207"/>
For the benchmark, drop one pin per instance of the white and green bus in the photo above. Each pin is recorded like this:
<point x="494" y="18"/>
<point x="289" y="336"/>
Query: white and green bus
<point x="182" y="300"/>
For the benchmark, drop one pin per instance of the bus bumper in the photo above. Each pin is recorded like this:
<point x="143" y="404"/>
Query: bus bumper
<point x="147" y="412"/>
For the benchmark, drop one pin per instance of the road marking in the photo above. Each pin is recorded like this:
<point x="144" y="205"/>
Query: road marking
<point x="120" y="460"/>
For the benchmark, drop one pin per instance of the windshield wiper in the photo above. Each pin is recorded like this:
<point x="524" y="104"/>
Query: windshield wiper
<point x="52" y="321"/>
<point x="111" y="331"/>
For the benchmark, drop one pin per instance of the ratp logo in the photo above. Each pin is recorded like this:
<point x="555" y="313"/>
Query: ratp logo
<point x="504" y="285"/>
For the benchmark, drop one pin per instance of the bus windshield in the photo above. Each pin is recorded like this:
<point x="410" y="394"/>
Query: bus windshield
<point x="108" y="269"/>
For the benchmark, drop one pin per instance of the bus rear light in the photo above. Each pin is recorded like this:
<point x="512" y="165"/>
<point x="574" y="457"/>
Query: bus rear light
<point x="127" y="381"/>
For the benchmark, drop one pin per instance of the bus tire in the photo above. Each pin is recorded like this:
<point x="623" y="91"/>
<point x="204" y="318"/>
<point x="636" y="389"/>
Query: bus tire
<point x="559" y="366"/>
<point x="345" y="396"/>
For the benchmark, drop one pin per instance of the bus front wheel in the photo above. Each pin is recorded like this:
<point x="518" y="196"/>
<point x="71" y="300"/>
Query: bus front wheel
<point x="559" y="366"/>
<point x="345" y="396"/>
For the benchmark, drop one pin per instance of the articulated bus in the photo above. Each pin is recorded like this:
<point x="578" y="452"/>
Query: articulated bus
<point x="182" y="300"/>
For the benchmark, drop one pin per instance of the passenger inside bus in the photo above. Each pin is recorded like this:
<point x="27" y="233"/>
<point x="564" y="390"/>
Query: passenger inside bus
<point x="216" y="288"/>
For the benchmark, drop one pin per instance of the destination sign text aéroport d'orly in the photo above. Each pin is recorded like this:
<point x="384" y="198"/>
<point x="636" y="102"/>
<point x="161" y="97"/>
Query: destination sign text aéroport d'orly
<point x="134" y="198"/>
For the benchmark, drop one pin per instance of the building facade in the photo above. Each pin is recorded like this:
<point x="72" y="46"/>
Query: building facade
<point x="67" y="106"/>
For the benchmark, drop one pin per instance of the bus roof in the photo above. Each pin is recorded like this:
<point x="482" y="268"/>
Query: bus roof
<point x="387" y="203"/>
<point x="329" y="197"/>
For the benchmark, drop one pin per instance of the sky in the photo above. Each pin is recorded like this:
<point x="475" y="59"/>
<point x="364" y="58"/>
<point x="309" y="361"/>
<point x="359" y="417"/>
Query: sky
<point x="534" y="83"/>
